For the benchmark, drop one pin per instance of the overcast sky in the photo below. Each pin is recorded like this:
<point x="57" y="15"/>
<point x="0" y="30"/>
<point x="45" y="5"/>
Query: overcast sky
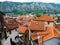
<point x="46" y="1"/>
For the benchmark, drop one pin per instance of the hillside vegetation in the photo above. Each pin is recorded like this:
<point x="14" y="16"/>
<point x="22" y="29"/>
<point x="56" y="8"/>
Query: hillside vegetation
<point x="29" y="7"/>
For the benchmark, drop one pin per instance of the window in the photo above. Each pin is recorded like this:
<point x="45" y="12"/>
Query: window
<point x="48" y="22"/>
<point x="0" y="35"/>
<point x="37" y="23"/>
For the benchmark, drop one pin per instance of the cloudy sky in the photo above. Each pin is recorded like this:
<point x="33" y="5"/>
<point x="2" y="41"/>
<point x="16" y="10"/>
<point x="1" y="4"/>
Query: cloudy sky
<point x="46" y="1"/>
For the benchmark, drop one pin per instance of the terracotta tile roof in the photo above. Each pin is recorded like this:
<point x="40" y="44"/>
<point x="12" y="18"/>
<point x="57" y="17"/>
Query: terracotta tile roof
<point x="56" y="32"/>
<point x="53" y="33"/>
<point x="11" y="24"/>
<point x="35" y="25"/>
<point x="45" y="18"/>
<point x="26" y="18"/>
<point x="34" y="37"/>
<point x="50" y="33"/>
<point x="20" y="21"/>
<point x="43" y="33"/>
<point x="39" y="34"/>
<point x="57" y="26"/>
<point x="22" y="29"/>
<point x="45" y="38"/>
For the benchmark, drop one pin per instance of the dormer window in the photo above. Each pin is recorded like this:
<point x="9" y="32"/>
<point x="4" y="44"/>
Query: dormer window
<point x="37" y="23"/>
<point x="48" y="22"/>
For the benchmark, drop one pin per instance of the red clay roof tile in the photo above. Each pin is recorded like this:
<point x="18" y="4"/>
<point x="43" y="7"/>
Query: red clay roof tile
<point x="22" y="29"/>
<point x="35" y="25"/>
<point x="45" y="18"/>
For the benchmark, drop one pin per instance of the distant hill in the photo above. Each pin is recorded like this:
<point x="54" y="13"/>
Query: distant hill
<point x="29" y="7"/>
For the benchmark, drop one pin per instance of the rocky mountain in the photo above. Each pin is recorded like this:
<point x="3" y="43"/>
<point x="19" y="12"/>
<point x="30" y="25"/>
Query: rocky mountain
<point x="29" y="7"/>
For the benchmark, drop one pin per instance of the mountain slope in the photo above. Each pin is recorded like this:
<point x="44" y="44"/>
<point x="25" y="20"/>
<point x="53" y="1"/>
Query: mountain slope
<point x="29" y="7"/>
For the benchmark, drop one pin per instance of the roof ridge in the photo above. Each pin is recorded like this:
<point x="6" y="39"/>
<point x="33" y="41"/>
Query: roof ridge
<point x="52" y="30"/>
